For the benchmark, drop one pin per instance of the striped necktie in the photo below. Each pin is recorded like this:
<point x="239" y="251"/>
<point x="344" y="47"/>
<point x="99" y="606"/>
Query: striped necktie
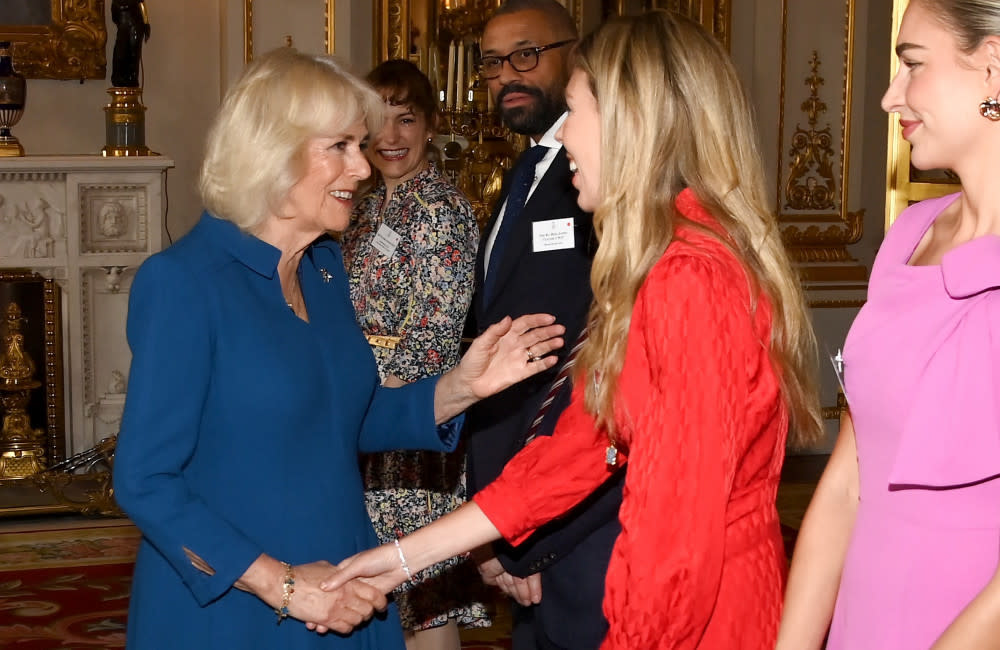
<point x="564" y="374"/>
<point x="522" y="178"/>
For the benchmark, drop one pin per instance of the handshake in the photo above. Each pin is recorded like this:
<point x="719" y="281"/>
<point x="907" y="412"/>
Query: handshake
<point x="315" y="593"/>
<point x="339" y="598"/>
<point x="324" y="596"/>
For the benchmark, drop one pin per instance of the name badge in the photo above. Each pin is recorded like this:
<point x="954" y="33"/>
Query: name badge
<point x="386" y="240"/>
<point x="552" y="235"/>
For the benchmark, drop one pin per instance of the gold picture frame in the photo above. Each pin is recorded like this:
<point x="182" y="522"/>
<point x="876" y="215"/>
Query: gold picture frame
<point x="71" y="46"/>
<point x="329" y="31"/>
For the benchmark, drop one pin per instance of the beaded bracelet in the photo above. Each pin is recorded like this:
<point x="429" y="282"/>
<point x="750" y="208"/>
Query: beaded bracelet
<point x="287" y="589"/>
<point x="402" y="561"/>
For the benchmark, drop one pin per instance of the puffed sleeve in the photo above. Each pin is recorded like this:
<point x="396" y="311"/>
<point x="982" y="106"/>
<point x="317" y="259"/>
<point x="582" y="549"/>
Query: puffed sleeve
<point x="549" y="476"/>
<point x="443" y="255"/>
<point x="666" y="567"/>
<point x="171" y="338"/>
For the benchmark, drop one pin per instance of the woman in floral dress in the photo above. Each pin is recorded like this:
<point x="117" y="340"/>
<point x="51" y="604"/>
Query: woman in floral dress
<point x="410" y="252"/>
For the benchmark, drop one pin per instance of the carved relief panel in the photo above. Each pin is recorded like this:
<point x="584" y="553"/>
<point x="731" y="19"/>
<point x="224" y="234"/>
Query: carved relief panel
<point x="86" y="223"/>
<point x="32" y="218"/>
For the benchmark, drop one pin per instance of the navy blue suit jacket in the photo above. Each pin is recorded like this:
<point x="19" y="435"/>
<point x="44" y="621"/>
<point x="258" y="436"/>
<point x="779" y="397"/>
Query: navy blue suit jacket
<point x="571" y="553"/>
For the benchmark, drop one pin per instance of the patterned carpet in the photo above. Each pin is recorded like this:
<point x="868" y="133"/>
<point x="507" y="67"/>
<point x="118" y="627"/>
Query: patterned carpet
<point x="65" y="586"/>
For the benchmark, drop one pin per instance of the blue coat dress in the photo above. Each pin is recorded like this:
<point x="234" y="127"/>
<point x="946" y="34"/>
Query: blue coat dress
<point x="241" y="434"/>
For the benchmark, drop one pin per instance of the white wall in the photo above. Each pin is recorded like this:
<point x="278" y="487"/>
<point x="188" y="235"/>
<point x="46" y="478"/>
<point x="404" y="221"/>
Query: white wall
<point x="181" y="67"/>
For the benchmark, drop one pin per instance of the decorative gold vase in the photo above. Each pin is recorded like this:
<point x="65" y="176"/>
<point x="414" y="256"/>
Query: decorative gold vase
<point x="125" y="123"/>
<point x="22" y="453"/>
<point x="13" y="91"/>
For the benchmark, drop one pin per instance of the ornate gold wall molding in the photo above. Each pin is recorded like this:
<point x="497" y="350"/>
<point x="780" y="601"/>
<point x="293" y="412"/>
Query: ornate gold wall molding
<point x="813" y="172"/>
<point x="70" y="47"/>
<point x="714" y="15"/>
<point x="392" y="39"/>
<point x="811" y="184"/>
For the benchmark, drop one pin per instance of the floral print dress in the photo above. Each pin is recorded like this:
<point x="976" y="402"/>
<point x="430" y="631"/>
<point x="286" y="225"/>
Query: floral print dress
<point x="411" y="271"/>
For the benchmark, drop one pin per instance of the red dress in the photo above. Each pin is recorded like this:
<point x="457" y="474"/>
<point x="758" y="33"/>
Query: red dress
<point x="699" y="562"/>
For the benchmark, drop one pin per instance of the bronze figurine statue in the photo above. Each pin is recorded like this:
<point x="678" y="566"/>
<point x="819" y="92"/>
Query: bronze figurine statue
<point x="130" y="17"/>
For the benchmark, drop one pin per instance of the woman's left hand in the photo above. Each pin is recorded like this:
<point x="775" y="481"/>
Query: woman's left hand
<point x="506" y="353"/>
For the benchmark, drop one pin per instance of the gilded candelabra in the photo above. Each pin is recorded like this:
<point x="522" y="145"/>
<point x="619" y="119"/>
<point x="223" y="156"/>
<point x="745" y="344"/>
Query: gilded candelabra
<point x="22" y="448"/>
<point x="480" y="148"/>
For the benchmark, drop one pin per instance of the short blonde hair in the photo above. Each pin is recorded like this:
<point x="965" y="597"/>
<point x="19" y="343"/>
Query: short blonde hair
<point x="254" y="153"/>
<point x="674" y="115"/>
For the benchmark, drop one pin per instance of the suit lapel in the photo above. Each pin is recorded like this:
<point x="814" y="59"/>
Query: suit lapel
<point x="551" y="188"/>
<point x="479" y="276"/>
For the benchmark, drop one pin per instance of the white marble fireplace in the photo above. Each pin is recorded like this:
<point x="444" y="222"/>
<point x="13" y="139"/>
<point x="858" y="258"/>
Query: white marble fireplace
<point x="86" y="222"/>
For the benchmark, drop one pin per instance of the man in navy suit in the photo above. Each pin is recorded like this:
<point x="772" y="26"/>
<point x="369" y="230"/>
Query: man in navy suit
<point x="536" y="258"/>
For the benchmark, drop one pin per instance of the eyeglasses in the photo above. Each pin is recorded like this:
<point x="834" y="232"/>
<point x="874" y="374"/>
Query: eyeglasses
<point x="521" y="60"/>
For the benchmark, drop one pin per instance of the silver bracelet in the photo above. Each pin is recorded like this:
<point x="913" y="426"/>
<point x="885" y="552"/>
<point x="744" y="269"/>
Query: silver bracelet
<point x="402" y="560"/>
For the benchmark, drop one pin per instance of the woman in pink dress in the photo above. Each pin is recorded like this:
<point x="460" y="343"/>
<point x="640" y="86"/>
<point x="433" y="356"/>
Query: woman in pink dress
<point x="900" y="544"/>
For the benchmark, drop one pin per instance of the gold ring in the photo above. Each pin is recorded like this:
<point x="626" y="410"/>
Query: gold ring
<point x="531" y="358"/>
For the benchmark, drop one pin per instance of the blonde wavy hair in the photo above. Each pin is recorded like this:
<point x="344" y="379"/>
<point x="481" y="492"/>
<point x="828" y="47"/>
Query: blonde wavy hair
<point x="674" y="115"/>
<point x="255" y="149"/>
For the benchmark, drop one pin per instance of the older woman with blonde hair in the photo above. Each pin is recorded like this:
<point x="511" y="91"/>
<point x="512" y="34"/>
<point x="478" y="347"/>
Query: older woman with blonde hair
<point x="700" y="357"/>
<point x="252" y="390"/>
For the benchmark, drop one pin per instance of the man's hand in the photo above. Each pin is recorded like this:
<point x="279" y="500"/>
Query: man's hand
<point x="526" y="591"/>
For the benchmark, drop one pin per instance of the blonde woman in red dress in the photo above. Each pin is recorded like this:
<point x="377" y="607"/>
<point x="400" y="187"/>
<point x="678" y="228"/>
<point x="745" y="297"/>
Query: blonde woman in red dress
<point x="700" y="358"/>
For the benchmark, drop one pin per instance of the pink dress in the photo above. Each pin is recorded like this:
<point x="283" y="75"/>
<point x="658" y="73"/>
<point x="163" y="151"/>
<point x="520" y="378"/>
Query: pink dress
<point x="922" y="375"/>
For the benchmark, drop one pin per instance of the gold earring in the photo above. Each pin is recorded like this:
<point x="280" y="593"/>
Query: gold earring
<point x="990" y="109"/>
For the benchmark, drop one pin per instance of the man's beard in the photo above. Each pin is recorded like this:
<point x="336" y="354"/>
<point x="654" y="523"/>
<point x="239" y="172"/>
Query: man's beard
<point x="534" y="118"/>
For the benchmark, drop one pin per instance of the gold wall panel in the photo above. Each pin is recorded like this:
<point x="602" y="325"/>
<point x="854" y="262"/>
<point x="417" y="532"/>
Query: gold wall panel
<point x="814" y="142"/>
<point x="70" y="47"/>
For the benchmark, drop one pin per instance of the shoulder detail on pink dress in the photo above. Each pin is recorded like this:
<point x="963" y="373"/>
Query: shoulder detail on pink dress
<point x="972" y="268"/>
